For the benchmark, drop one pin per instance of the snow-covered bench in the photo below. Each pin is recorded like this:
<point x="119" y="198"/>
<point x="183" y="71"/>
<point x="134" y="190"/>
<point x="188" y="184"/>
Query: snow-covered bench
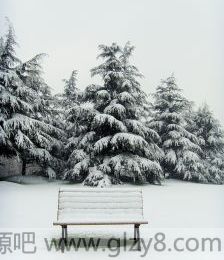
<point x="100" y="206"/>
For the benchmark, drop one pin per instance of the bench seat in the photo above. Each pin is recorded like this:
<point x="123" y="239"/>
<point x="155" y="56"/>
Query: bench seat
<point x="100" y="222"/>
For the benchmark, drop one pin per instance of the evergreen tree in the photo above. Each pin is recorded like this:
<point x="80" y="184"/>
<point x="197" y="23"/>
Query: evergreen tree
<point x="20" y="103"/>
<point x="7" y="58"/>
<point x="211" y="136"/>
<point x="45" y="109"/>
<point x="182" y="151"/>
<point x="62" y="102"/>
<point x="114" y="145"/>
<point x="80" y="141"/>
<point x="71" y="92"/>
<point x="74" y="114"/>
<point x="52" y="115"/>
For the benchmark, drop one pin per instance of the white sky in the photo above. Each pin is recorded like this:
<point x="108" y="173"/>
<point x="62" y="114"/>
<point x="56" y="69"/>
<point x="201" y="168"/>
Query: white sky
<point x="181" y="36"/>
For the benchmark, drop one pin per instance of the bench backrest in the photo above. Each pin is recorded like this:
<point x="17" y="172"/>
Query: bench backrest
<point x="99" y="203"/>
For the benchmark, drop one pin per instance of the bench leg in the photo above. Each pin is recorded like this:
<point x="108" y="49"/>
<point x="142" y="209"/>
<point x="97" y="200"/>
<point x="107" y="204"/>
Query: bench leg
<point x="135" y="233"/>
<point x="66" y="234"/>
<point x="137" y="236"/>
<point x="64" y="237"/>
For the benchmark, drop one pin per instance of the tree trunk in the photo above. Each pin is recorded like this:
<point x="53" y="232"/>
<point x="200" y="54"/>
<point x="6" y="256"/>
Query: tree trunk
<point x="24" y="167"/>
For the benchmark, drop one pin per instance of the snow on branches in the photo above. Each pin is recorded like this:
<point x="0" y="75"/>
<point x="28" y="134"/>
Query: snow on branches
<point x="120" y="147"/>
<point x="23" y="128"/>
<point x="109" y="133"/>
<point x="181" y="148"/>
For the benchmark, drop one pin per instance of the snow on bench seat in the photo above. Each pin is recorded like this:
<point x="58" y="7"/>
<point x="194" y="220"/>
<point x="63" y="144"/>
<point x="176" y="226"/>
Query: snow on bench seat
<point x="99" y="206"/>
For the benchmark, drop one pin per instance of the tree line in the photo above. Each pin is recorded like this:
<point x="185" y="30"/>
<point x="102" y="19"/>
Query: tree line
<point x="109" y="133"/>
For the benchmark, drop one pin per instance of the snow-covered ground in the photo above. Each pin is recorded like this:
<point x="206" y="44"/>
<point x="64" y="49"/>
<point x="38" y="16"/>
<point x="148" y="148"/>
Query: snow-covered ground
<point x="177" y="209"/>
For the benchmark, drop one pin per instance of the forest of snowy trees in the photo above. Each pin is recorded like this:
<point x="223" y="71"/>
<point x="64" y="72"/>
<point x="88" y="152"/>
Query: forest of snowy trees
<point x="109" y="133"/>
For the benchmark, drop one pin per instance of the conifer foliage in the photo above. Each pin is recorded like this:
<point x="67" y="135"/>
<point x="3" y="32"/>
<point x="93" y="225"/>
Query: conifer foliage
<point x="71" y="92"/>
<point x="211" y="136"/>
<point x="181" y="148"/>
<point x="76" y="126"/>
<point x="109" y="133"/>
<point x="115" y="146"/>
<point x="21" y="129"/>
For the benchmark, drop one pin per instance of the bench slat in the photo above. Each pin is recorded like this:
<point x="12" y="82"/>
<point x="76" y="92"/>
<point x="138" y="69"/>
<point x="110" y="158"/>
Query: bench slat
<point x="105" y="200"/>
<point x="103" y="194"/>
<point x="101" y="211"/>
<point x="100" y="205"/>
<point x="97" y="217"/>
<point x="100" y="190"/>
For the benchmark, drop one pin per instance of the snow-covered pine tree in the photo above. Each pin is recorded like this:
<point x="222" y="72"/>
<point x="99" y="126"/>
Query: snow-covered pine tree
<point x="115" y="146"/>
<point x="7" y="58"/>
<point x="211" y="135"/>
<point x="43" y="110"/>
<point x="49" y="114"/>
<point x="80" y="141"/>
<point x="76" y="118"/>
<point x="182" y="151"/>
<point x="31" y="138"/>
<point x="62" y="102"/>
<point x="71" y="92"/>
